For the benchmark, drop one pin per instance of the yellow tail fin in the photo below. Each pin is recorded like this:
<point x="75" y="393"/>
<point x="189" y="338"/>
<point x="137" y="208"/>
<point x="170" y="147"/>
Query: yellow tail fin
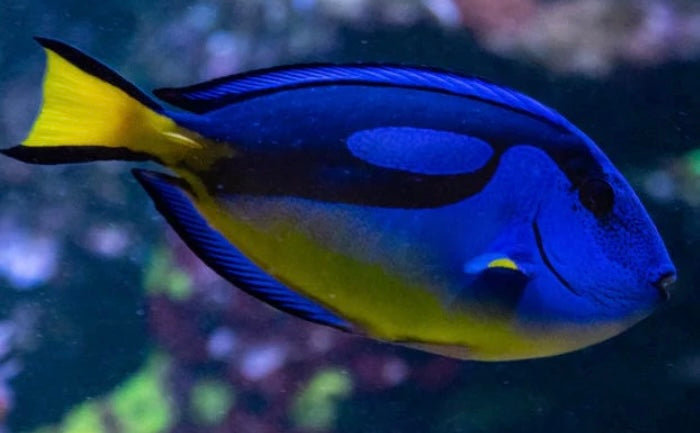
<point x="90" y="113"/>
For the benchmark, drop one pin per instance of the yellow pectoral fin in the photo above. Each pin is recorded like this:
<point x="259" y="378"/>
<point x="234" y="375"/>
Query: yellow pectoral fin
<point x="504" y="263"/>
<point x="483" y="262"/>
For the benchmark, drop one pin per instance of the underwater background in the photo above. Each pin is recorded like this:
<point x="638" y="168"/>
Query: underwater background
<point x="108" y="323"/>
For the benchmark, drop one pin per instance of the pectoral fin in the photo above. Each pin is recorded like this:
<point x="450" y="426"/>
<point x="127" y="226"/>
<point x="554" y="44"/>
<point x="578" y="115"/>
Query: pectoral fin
<point x="488" y="261"/>
<point x="494" y="283"/>
<point x="497" y="278"/>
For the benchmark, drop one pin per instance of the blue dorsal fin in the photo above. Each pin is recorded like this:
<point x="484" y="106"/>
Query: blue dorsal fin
<point x="171" y="200"/>
<point x="217" y="93"/>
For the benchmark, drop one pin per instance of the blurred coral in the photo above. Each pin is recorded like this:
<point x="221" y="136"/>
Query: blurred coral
<point x="589" y="37"/>
<point x="594" y="36"/>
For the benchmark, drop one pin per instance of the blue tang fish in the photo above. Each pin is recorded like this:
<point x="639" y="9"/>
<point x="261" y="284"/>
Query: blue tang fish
<point x="406" y="204"/>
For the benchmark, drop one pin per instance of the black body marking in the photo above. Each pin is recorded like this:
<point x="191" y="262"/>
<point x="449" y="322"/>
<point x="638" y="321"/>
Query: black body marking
<point x="314" y="161"/>
<point x="354" y="181"/>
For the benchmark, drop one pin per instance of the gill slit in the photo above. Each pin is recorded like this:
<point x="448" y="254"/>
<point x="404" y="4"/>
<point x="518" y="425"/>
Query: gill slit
<point x="545" y="259"/>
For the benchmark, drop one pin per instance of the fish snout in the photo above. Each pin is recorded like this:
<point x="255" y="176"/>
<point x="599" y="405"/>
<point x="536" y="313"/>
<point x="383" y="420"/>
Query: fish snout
<point x="663" y="283"/>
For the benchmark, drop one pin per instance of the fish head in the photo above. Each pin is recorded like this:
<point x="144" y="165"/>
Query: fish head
<point x="599" y="243"/>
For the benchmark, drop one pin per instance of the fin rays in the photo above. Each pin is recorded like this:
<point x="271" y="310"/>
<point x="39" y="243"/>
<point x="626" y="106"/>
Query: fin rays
<point x="217" y="93"/>
<point x="171" y="201"/>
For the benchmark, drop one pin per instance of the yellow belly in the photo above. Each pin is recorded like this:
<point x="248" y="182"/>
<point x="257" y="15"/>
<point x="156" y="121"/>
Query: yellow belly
<point x="384" y="305"/>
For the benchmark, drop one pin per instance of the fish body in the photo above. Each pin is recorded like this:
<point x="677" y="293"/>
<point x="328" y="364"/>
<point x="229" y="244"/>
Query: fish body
<point x="410" y="205"/>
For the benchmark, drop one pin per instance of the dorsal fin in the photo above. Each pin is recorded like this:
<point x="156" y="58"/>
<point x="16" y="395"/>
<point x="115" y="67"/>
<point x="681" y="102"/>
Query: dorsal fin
<point x="217" y="93"/>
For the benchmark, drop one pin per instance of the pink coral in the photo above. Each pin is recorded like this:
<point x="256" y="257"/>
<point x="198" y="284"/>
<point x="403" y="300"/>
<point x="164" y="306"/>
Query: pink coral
<point x="585" y="36"/>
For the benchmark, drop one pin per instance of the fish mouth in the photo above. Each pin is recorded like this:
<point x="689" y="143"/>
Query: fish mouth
<point x="547" y="262"/>
<point x="663" y="283"/>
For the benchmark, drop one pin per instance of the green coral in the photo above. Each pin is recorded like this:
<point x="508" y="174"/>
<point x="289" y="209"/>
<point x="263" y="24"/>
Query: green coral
<point x="162" y="276"/>
<point x="693" y="158"/>
<point x="315" y="406"/>
<point x="84" y="419"/>
<point x="140" y="405"/>
<point x="210" y="401"/>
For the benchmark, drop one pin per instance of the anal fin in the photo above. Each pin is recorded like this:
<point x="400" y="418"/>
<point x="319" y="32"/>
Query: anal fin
<point x="172" y="200"/>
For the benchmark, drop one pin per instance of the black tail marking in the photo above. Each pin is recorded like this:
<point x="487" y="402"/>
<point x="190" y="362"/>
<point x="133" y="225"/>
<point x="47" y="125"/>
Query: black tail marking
<point x="73" y="154"/>
<point x="98" y="69"/>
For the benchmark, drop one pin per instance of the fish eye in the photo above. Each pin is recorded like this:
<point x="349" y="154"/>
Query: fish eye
<point x="597" y="196"/>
